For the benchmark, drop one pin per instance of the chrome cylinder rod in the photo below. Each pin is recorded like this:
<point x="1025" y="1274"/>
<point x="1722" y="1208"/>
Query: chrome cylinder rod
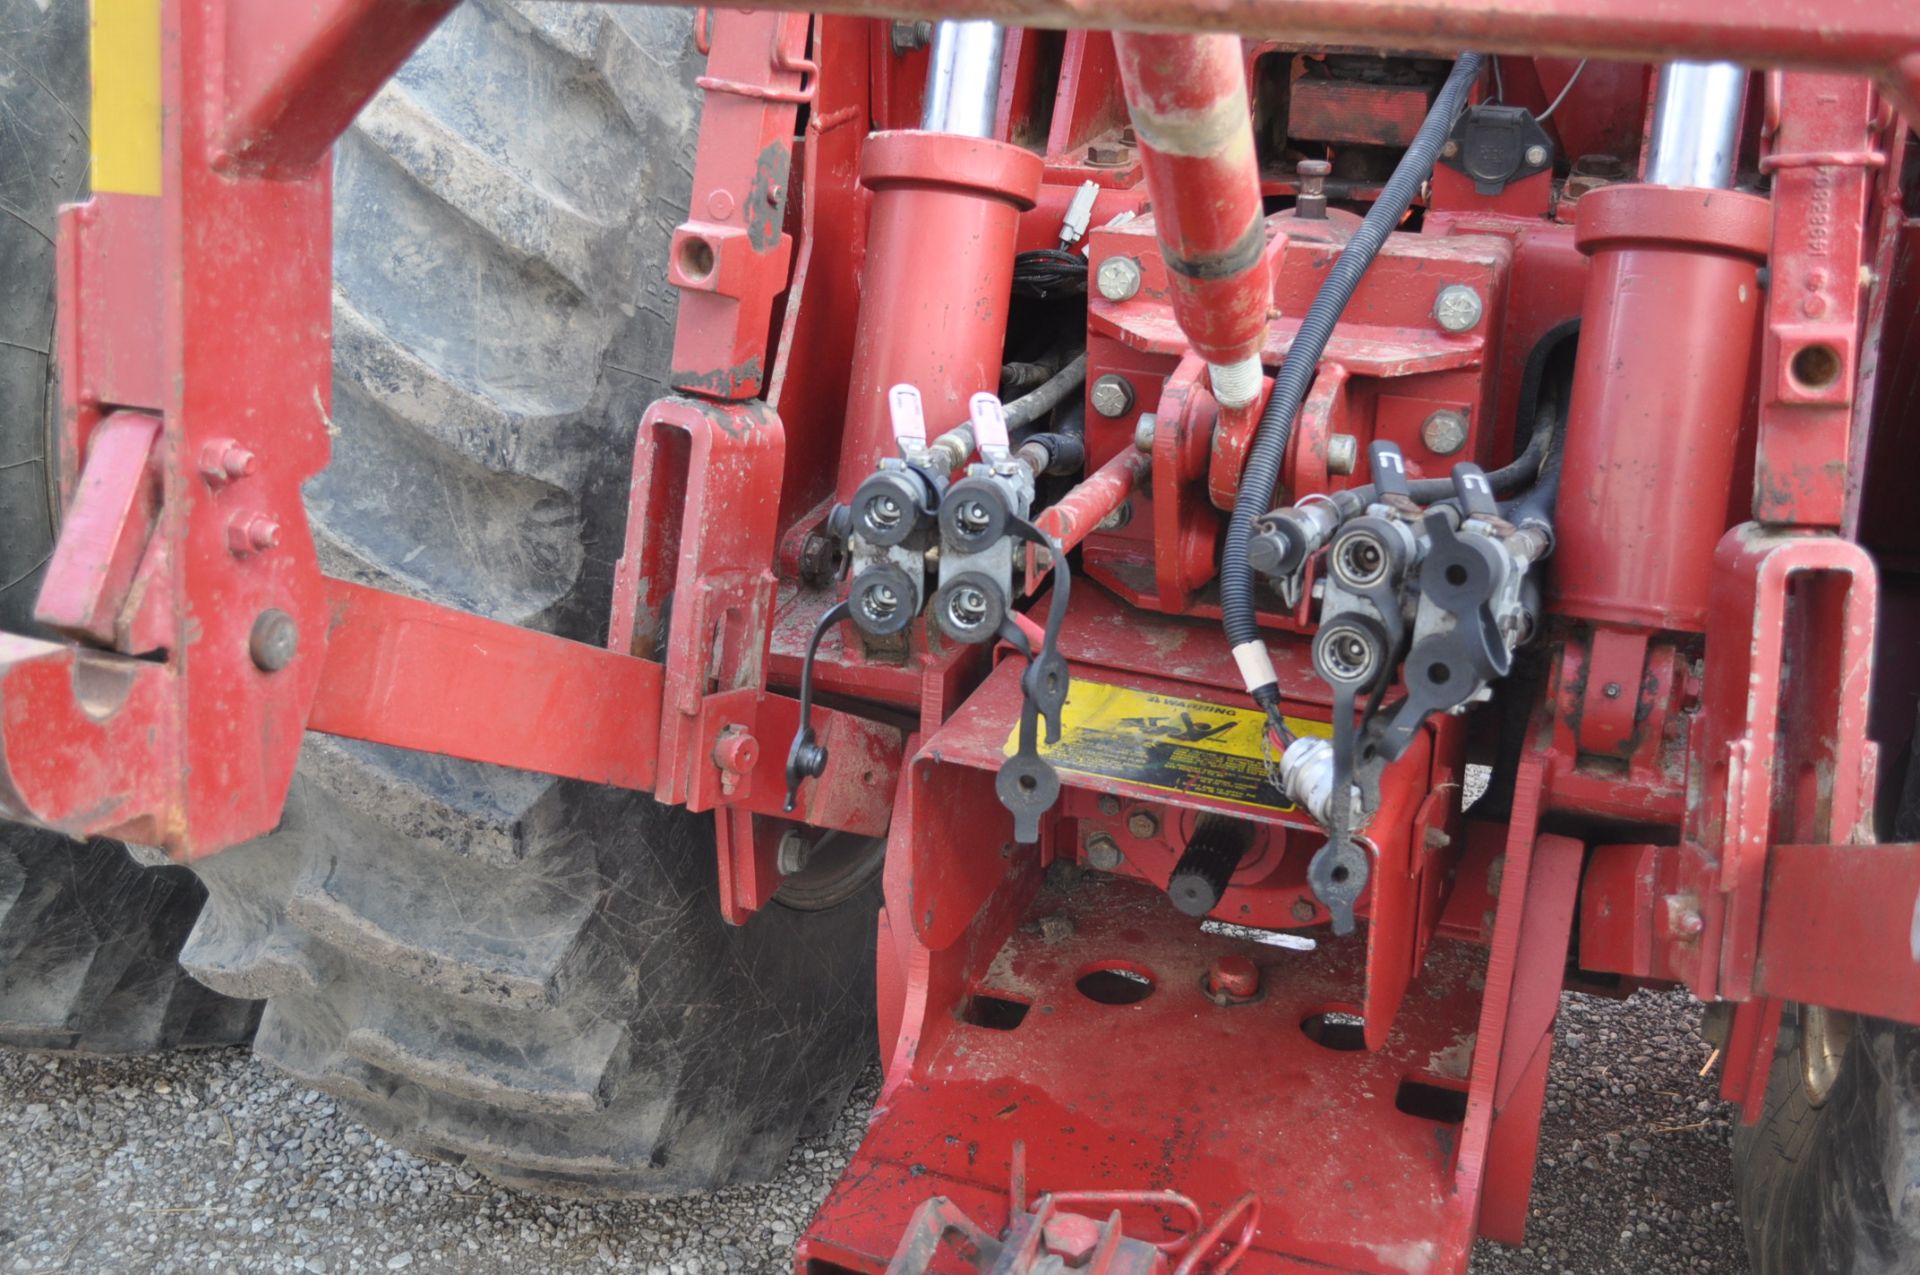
<point x="1696" y="124"/>
<point x="963" y="79"/>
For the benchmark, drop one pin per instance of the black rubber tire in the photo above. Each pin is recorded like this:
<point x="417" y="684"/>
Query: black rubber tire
<point x="1834" y="1189"/>
<point x="89" y="947"/>
<point x="88" y="937"/>
<point x="527" y="975"/>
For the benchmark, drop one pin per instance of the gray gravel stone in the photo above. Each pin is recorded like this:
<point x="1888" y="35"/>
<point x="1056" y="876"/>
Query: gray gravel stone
<point x="210" y="1162"/>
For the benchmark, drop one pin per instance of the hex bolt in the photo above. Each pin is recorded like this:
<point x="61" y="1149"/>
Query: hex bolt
<point x="1071" y="1237"/>
<point x="1108" y="155"/>
<point x="1436" y="838"/>
<point x="1457" y="308"/>
<point x="1611" y="690"/>
<point x="1536" y="156"/>
<point x="1302" y="910"/>
<point x="1444" y="432"/>
<point x="1118" y="278"/>
<point x="1143" y="823"/>
<point x="1450" y="149"/>
<point x="1109" y="804"/>
<point x="1311" y="203"/>
<point x="1119" y="518"/>
<point x="223" y="459"/>
<point x="1233" y="978"/>
<point x="1112" y="395"/>
<point x="252" y="533"/>
<point x="1690" y="924"/>
<point x="274" y="640"/>
<point x="1103" y="852"/>
<point x="1343" y="453"/>
<point x="794" y="850"/>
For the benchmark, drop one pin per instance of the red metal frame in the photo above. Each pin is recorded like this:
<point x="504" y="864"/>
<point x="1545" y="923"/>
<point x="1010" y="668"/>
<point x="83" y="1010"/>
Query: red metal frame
<point x="1716" y="796"/>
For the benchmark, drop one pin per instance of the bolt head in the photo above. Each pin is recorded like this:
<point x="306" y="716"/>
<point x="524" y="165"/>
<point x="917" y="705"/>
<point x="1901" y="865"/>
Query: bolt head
<point x="1118" y="278"/>
<point x="794" y="850"/>
<point x="1303" y="911"/>
<point x="1143" y="823"/>
<point x="1071" y="1237"/>
<point x="1444" y="432"/>
<point x="1112" y="395"/>
<point x="1108" y="155"/>
<point x="252" y="533"/>
<point x="736" y="751"/>
<point x="1109" y="804"/>
<point x="1449" y="149"/>
<point x="274" y="640"/>
<point x="1234" y="977"/>
<point x="1457" y="308"/>
<point x="1611" y="690"/>
<point x="1103" y="852"/>
<point x="1536" y="156"/>
<point x="1343" y="453"/>
<point x="1143" y="432"/>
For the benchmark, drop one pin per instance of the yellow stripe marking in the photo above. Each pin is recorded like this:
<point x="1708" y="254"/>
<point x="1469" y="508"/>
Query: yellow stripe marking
<point x="126" y="96"/>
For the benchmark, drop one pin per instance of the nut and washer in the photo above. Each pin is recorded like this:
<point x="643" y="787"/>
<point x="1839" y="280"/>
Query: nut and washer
<point x="1118" y="278"/>
<point x="1103" y="852"/>
<point x="274" y="640"/>
<point x="1143" y="823"/>
<point x="1112" y="395"/>
<point x="1457" y="308"/>
<point x="1343" y="453"/>
<point x="1444" y="432"/>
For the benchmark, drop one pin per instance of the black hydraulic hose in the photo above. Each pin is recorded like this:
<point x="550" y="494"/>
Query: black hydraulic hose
<point x="1264" y="459"/>
<point x="1517" y="474"/>
<point x="1066" y="443"/>
<point x="1030" y="407"/>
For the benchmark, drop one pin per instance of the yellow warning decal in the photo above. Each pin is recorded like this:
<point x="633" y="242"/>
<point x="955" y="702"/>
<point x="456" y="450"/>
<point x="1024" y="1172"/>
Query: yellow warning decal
<point x="1176" y="745"/>
<point x="126" y="96"/>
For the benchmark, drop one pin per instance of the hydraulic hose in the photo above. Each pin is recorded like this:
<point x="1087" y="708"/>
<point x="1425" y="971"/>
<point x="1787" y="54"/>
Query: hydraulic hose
<point x="954" y="446"/>
<point x="1269" y="450"/>
<point x="1034" y="404"/>
<point x="1517" y="474"/>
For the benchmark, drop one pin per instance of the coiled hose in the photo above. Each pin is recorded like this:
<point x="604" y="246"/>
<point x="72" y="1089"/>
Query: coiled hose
<point x="1269" y="450"/>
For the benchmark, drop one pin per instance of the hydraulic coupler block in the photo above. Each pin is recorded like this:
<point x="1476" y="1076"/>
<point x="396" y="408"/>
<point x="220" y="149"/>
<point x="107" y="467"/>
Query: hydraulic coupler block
<point x="890" y="526"/>
<point x="1366" y="609"/>
<point x="976" y="518"/>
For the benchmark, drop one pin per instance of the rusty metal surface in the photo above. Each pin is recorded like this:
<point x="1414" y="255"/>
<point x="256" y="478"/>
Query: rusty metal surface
<point x="1860" y="36"/>
<point x="1188" y="101"/>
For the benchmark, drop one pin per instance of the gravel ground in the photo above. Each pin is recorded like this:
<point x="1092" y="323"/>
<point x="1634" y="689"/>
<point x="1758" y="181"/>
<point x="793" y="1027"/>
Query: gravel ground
<point x="210" y="1162"/>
